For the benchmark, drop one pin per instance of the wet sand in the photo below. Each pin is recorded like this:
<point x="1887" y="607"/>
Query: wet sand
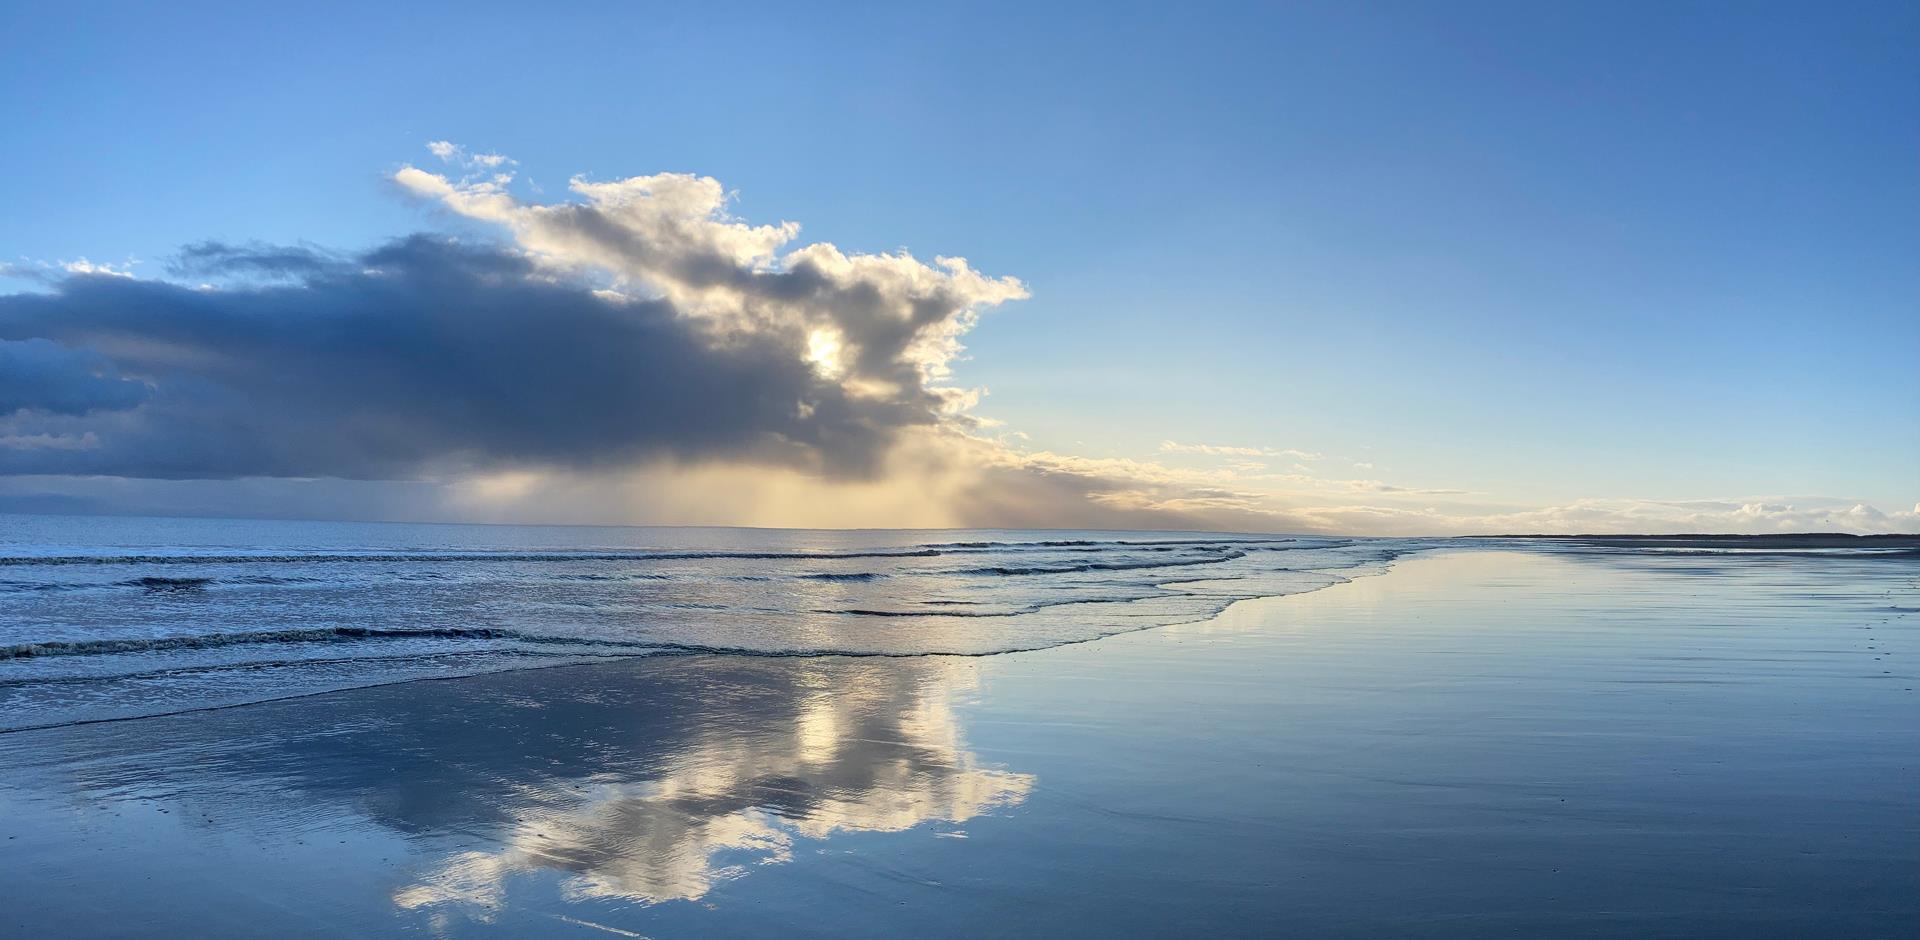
<point x="1475" y="743"/>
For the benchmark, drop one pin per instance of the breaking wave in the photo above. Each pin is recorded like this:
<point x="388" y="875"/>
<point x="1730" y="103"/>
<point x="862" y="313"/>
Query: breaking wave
<point x="1073" y="568"/>
<point x="85" y="634"/>
<point x="215" y="640"/>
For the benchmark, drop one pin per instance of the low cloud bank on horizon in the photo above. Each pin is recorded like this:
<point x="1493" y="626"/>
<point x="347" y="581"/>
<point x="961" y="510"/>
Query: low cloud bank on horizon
<point x="633" y="354"/>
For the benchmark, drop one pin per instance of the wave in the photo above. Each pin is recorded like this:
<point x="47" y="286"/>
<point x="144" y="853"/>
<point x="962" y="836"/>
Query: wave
<point x="21" y="586"/>
<point x="1107" y="543"/>
<point x="155" y="584"/>
<point x="124" y="645"/>
<point x="128" y="645"/>
<point x="215" y="640"/>
<point x="254" y="665"/>
<point x="622" y="576"/>
<point x="473" y="619"/>
<point x="1100" y="566"/>
<point x="1056" y="543"/>
<point x="353" y="634"/>
<point x="930" y="550"/>
<point x="591" y="649"/>
<point x="158" y="585"/>
<point x="453" y="651"/>
<point x="861" y="612"/>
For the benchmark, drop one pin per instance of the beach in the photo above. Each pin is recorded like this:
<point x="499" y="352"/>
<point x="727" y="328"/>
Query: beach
<point x="998" y="470"/>
<point x="1001" y="470"/>
<point x="1469" y="741"/>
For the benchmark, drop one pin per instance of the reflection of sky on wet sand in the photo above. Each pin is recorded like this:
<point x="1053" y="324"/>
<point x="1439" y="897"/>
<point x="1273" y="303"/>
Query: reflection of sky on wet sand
<point x="640" y="784"/>
<point x="882" y="753"/>
<point x="1473" y="743"/>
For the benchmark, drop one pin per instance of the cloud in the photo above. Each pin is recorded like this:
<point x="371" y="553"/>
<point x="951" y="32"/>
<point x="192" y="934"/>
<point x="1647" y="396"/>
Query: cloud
<point x="633" y="353"/>
<point x="933" y="478"/>
<point x="1227" y="450"/>
<point x="450" y="152"/>
<point x="882" y="326"/>
<point x="1745" y="515"/>
<point x="638" y="325"/>
<point x="83" y="266"/>
<point x="85" y="441"/>
<point x="42" y="375"/>
<point x="257" y="260"/>
<point x="1211" y="450"/>
<point x="47" y="272"/>
<point x="1375" y="486"/>
<point x="424" y="356"/>
<point x="1620" y="516"/>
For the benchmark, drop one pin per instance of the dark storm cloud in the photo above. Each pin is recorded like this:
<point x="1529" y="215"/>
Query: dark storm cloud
<point x="46" y="376"/>
<point x="257" y="260"/>
<point x="420" y="356"/>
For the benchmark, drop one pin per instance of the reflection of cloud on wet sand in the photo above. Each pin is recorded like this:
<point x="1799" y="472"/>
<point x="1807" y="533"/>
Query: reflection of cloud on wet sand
<point x="864" y="749"/>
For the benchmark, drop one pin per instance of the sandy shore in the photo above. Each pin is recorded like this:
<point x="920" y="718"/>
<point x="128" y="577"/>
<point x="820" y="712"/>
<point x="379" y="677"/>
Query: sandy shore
<point x="1474" y="743"/>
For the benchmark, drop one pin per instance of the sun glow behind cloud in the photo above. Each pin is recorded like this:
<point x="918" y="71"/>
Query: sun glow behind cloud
<point x="638" y="353"/>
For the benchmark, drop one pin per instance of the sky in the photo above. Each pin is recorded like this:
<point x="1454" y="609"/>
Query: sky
<point x="1369" y="268"/>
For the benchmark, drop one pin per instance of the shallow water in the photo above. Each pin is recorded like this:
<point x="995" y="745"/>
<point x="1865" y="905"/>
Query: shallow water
<point x="1536" y="742"/>
<point x="106" y="618"/>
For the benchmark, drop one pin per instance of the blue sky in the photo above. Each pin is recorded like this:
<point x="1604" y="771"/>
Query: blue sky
<point x="1541" y="253"/>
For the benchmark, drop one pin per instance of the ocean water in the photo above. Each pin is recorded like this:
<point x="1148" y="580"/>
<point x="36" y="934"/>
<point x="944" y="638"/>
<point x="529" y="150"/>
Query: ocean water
<point x="1548" y="738"/>
<point x="106" y="618"/>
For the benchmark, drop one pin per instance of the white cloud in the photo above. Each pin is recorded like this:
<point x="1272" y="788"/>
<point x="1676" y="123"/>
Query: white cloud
<point x="1229" y="450"/>
<point x="1622" y="516"/>
<point x="83" y="266"/>
<point x="1211" y="450"/>
<point x="48" y="271"/>
<point x="453" y="153"/>
<point x="1750" y="515"/>
<point x="872" y="339"/>
<point x="886" y="326"/>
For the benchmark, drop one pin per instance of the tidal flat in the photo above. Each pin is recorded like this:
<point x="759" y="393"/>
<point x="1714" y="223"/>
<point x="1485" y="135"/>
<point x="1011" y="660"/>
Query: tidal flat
<point x="1480" y="739"/>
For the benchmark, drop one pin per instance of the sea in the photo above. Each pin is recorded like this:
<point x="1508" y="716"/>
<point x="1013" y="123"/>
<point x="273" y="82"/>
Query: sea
<point x="106" y="618"/>
<point x="742" y="732"/>
<point x="110" y="618"/>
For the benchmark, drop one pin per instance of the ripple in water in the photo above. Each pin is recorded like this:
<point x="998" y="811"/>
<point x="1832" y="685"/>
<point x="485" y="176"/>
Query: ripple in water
<point x="112" y="618"/>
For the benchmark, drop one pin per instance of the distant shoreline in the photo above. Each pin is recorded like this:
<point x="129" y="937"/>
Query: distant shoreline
<point x="1768" y="540"/>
